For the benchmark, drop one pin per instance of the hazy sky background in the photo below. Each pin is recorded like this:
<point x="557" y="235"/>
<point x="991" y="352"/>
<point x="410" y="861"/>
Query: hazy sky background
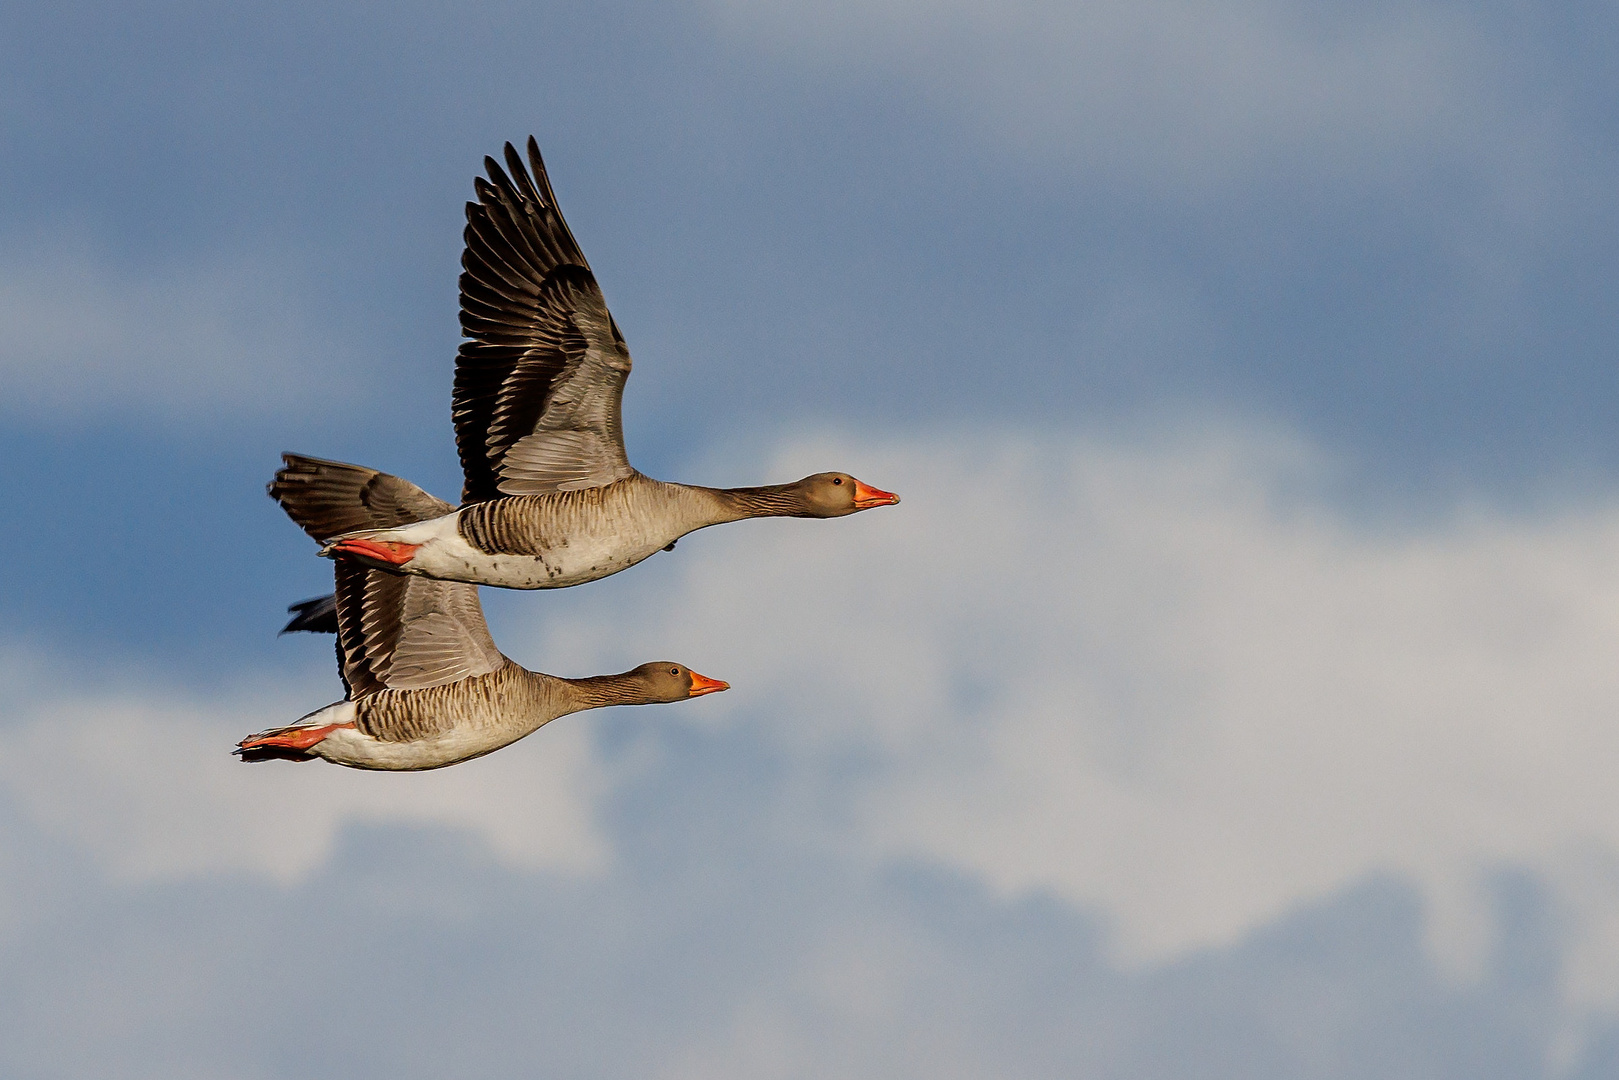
<point x="1234" y="693"/>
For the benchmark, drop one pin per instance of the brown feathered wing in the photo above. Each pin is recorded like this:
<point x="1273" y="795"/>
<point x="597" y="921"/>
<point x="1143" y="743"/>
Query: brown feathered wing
<point x="539" y="382"/>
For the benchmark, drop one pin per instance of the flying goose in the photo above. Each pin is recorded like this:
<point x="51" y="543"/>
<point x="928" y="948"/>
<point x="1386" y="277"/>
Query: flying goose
<point x="426" y="685"/>
<point x="549" y="498"/>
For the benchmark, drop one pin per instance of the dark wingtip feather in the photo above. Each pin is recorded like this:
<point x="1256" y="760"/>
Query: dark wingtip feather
<point x="520" y="173"/>
<point x="542" y="178"/>
<point x="505" y="190"/>
<point x="317" y="616"/>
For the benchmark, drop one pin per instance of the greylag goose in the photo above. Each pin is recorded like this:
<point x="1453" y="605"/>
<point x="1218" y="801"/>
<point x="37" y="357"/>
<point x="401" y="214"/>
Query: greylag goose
<point x="549" y="498"/>
<point x="426" y="685"/>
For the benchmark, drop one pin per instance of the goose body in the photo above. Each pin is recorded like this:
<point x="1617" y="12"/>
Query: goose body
<point x="564" y="538"/>
<point x="549" y="498"/>
<point x="444" y="724"/>
<point x="432" y="727"/>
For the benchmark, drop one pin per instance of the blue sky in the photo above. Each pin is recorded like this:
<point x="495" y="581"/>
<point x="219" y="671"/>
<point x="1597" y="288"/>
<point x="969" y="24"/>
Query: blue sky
<point x="1231" y="695"/>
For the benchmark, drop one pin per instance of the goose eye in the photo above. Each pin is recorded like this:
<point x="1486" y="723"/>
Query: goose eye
<point x="837" y="479"/>
<point x="674" y="671"/>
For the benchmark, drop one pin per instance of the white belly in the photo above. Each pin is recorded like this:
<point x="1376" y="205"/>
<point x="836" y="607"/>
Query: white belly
<point x="357" y="750"/>
<point x="580" y="558"/>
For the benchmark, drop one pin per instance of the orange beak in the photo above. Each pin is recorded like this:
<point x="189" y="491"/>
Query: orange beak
<point x="866" y="496"/>
<point x="702" y="684"/>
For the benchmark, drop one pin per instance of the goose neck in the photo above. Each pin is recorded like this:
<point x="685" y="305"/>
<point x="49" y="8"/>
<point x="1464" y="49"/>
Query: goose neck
<point x="775" y="500"/>
<point x="600" y="691"/>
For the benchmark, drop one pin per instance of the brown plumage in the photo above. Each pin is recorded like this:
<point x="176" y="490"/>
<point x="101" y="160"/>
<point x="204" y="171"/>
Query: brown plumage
<point x="427" y="686"/>
<point x="326" y="498"/>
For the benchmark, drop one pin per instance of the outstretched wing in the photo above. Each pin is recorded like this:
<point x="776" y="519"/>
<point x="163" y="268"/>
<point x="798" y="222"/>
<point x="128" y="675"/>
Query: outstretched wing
<point x="399" y="632"/>
<point x="538" y="385"/>
<point x="329" y="498"/>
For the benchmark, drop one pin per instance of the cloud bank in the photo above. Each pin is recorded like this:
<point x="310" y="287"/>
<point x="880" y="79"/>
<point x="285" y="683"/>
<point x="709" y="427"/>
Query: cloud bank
<point x="142" y="779"/>
<point x="1168" y="681"/>
<point x="1163" y="679"/>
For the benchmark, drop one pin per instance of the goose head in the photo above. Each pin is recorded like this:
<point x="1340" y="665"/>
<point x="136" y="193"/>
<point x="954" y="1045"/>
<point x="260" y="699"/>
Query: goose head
<point x="836" y="494"/>
<point x="666" y="681"/>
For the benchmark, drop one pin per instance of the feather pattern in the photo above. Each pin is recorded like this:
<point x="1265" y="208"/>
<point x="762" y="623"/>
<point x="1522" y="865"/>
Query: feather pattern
<point x="399" y="632"/>
<point x="540" y="380"/>
<point x="329" y="498"/>
<point x="489" y="702"/>
<point x="393" y="632"/>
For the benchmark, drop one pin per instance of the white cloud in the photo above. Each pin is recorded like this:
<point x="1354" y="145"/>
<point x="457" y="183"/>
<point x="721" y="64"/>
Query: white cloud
<point x="1171" y="683"/>
<point x="80" y="336"/>
<point x="1162" y="678"/>
<point x="144" y="780"/>
<point x="1186" y="95"/>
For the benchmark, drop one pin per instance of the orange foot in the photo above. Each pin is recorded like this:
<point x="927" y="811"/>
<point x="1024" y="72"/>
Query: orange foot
<point x="294" y="738"/>
<point x="382" y="551"/>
